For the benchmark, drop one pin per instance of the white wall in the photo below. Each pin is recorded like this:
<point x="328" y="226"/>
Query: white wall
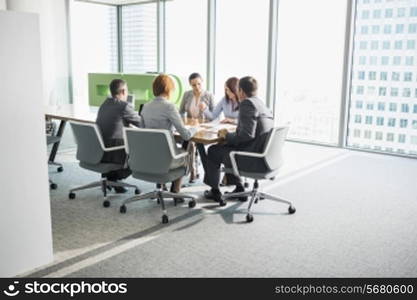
<point x="54" y="45"/>
<point x="25" y="218"/>
<point x="2" y="4"/>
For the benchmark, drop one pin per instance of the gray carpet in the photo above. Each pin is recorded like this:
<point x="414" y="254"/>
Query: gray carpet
<point x="355" y="218"/>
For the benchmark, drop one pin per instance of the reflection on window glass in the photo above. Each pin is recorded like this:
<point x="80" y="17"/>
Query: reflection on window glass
<point x="139" y="38"/>
<point x="186" y="38"/>
<point x="310" y="68"/>
<point x="93" y="44"/>
<point x="395" y="78"/>
<point x="241" y="42"/>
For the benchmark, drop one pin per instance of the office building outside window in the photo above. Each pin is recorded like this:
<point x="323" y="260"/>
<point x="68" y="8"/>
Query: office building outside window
<point x="310" y="67"/>
<point x="139" y="38"/>
<point x="93" y="44"/>
<point x="395" y="78"/>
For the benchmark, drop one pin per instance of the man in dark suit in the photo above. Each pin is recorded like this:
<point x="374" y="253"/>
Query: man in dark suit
<point x="113" y="115"/>
<point x="254" y="124"/>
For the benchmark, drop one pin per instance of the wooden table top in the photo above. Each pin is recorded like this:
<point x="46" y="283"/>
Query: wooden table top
<point x="207" y="132"/>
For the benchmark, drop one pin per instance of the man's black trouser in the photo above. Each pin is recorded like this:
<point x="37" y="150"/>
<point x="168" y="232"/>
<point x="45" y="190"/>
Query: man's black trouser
<point x="216" y="156"/>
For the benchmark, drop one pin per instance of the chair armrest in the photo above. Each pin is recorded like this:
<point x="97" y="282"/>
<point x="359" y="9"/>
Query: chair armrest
<point x="181" y="155"/>
<point x="110" y="149"/>
<point x="241" y="153"/>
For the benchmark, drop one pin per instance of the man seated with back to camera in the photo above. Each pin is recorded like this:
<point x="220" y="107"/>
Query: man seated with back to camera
<point x="255" y="122"/>
<point x="114" y="114"/>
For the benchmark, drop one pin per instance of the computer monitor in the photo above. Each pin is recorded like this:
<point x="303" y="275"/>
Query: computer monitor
<point x="131" y="99"/>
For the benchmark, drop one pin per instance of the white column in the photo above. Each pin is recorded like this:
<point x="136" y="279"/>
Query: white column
<point x="25" y="218"/>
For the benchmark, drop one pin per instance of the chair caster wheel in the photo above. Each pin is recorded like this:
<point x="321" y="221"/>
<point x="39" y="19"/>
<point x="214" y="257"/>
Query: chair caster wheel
<point x="53" y="186"/>
<point x="246" y="184"/>
<point x="191" y="204"/>
<point x="291" y="209"/>
<point x="164" y="219"/>
<point x="60" y="169"/>
<point x="106" y="203"/>
<point x="71" y="195"/>
<point x="222" y="203"/>
<point x="123" y="209"/>
<point x="137" y="191"/>
<point x="249" y="218"/>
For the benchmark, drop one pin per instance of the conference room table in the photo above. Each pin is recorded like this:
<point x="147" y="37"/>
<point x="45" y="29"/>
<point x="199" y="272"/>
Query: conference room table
<point x="207" y="131"/>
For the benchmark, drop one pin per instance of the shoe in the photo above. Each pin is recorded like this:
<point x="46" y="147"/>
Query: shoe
<point x="120" y="189"/>
<point x="215" y="195"/>
<point x="239" y="189"/>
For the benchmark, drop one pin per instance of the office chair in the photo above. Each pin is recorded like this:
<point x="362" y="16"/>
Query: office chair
<point x="50" y="139"/>
<point x="90" y="150"/>
<point x="154" y="157"/>
<point x="259" y="166"/>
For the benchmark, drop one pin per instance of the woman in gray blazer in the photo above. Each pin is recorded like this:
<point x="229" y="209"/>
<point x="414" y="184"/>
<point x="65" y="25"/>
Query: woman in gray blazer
<point x="196" y="104"/>
<point x="160" y="113"/>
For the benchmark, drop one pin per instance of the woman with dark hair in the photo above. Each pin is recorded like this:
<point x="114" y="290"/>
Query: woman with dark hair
<point x="229" y="104"/>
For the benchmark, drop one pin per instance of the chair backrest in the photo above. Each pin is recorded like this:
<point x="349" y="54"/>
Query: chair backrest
<point x="151" y="151"/>
<point x="90" y="146"/>
<point x="274" y="148"/>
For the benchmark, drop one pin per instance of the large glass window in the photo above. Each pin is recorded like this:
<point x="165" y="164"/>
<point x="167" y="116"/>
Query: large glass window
<point x="241" y="42"/>
<point x="400" y="65"/>
<point x="139" y="38"/>
<point x="93" y="44"/>
<point x="311" y="39"/>
<point x="186" y="37"/>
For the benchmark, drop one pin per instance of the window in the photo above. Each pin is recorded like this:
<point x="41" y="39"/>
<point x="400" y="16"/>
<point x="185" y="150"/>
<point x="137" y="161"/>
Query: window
<point x="368" y="134"/>
<point x="93" y="44"/>
<point x="368" y="120"/>
<point x="365" y="14"/>
<point x="363" y="45"/>
<point x="391" y="122"/>
<point x="380" y="121"/>
<point x="358" y="118"/>
<point x="393" y="106"/>
<point x="372" y="75"/>
<point x="386" y="45"/>
<point x="387" y="29"/>
<point x="383" y="76"/>
<point x="411" y="44"/>
<point x="415" y="108"/>
<point x="401" y="138"/>
<point x="182" y="59"/>
<point x="232" y="29"/>
<point x="375" y="29"/>
<point x="396" y="61"/>
<point x="413" y="11"/>
<point x="359" y="104"/>
<point x="364" y="29"/>
<point x="384" y="60"/>
<point x="403" y="123"/>
<point x="374" y="45"/>
<point x="412" y="28"/>
<point x="359" y="90"/>
<point x="139" y="38"/>
<point x="394" y="92"/>
<point x="398" y="45"/>
<point x="382" y="91"/>
<point x="369" y="106"/>
<point x="409" y="60"/>
<point x="408" y="76"/>
<point x="405" y="108"/>
<point x="310" y="102"/>
<point x="376" y="14"/>
<point x="406" y="92"/>
<point x="390" y="137"/>
<point x="414" y="124"/>
<point x="381" y="106"/>
<point x="378" y="135"/>
<point x="399" y="28"/>
<point x="395" y="76"/>
<point x="400" y="12"/>
<point x="362" y="60"/>
<point x="357" y="133"/>
<point x="361" y="75"/>
<point x="388" y="13"/>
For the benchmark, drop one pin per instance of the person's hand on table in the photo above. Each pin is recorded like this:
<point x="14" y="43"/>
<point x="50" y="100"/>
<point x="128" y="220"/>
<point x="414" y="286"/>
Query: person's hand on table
<point x="227" y="121"/>
<point x="222" y="134"/>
